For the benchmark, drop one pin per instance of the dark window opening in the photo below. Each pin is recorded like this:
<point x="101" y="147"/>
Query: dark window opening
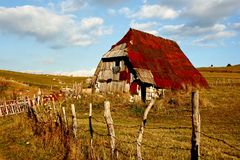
<point x="117" y="63"/>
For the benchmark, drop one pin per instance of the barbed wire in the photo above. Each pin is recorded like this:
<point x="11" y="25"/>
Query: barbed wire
<point x="100" y="134"/>
<point x="151" y="127"/>
<point x="159" y="146"/>
<point x="123" y="141"/>
<point x="205" y="148"/>
<point x="84" y="130"/>
<point x="124" y="126"/>
<point x="223" y="141"/>
<point x="85" y="118"/>
<point x="115" y="125"/>
<point x="170" y="128"/>
<point x="120" y="151"/>
<point x="144" y="144"/>
<point x="124" y="152"/>
<point x="98" y="120"/>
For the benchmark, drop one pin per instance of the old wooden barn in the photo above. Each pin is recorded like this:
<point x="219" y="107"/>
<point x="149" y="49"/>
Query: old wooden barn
<point x="141" y="62"/>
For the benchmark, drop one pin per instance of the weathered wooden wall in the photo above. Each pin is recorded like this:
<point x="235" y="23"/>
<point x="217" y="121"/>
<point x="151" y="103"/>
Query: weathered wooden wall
<point x="108" y="81"/>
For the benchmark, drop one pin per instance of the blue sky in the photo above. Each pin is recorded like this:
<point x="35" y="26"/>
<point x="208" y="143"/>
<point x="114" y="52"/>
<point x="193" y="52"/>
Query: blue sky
<point x="70" y="36"/>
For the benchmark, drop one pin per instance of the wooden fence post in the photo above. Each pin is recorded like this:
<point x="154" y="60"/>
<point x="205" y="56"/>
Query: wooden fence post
<point x="54" y="109"/>
<point x="13" y="107"/>
<point x="65" y="117"/>
<point x="5" y="104"/>
<point x="195" y="151"/>
<point x="74" y="120"/>
<point x="141" y="130"/>
<point x="163" y="93"/>
<point x="111" y="132"/>
<point x="39" y="97"/>
<point x="91" y="130"/>
<point x="1" y="110"/>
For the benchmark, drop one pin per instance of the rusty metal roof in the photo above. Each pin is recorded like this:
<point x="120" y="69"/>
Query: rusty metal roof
<point x="158" y="61"/>
<point x="145" y="75"/>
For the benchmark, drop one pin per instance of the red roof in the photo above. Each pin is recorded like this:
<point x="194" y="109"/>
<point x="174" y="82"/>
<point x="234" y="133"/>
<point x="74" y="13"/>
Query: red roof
<point x="164" y="58"/>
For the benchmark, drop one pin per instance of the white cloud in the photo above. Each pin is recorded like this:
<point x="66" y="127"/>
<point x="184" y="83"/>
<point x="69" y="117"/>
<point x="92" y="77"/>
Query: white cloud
<point x="125" y="11"/>
<point x="102" y="31"/>
<point x="188" y="30"/>
<point x="202" y="12"/>
<point x="72" y="5"/>
<point x="33" y="71"/>
<point x="77" y="73"/>
<point x="172" y="29"/>
<point x="147" y="27"/>
<point x="202" y="35"/>
<point x="209" y="39"/>
<point x="108" y="3"/>
<point x="155" y="11"/>
<point x="45" y="26"/>
<point x="35" y="21"/>
<point x="196" y="20"/>
<point x="112" y="12"/>
<point x="236" y="26"/>
<point x="91" y="22"/>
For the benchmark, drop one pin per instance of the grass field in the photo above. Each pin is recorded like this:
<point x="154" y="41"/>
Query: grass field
<point x="12" y="83"/>
<point x="40" y="80"/>
<point x="167" y="134"/>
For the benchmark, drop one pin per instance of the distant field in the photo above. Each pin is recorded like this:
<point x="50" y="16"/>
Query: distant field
<point x="13" y="83"/>
<point x="41" y="80"/>
<point x="222" y="75"/>
<point x="230" y="69"/>
<point x="167" y="134"/>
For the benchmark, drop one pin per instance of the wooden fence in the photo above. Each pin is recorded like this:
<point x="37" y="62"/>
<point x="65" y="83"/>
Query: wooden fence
<point x="14" y="107"/>
<point x="30" y="105"/>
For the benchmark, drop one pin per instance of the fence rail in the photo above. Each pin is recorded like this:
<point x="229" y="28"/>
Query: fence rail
<point x="13" y="108"/>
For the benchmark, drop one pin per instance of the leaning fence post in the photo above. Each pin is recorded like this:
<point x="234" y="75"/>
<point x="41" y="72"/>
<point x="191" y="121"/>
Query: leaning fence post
<point x="91" y="130"/>
<point x="111" y="132"/>
<point x="54" y="109"/>
<point x="141" y="129"/>
<point x="65" y="117"/>
<point x="195" y="151"/>
<point x="74" y="120"/>
<point x="29" y="107"/>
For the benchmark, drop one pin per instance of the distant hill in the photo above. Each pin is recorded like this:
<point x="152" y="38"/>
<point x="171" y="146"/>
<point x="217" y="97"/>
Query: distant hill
<point x="40" y="80"/>
<point x="230" y="69"/>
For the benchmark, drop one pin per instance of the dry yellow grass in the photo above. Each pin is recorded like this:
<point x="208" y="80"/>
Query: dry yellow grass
<point x="167" y="134"/>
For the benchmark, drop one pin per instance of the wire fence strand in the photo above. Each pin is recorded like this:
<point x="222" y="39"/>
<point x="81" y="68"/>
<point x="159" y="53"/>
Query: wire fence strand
<point x="220" y="140"/>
